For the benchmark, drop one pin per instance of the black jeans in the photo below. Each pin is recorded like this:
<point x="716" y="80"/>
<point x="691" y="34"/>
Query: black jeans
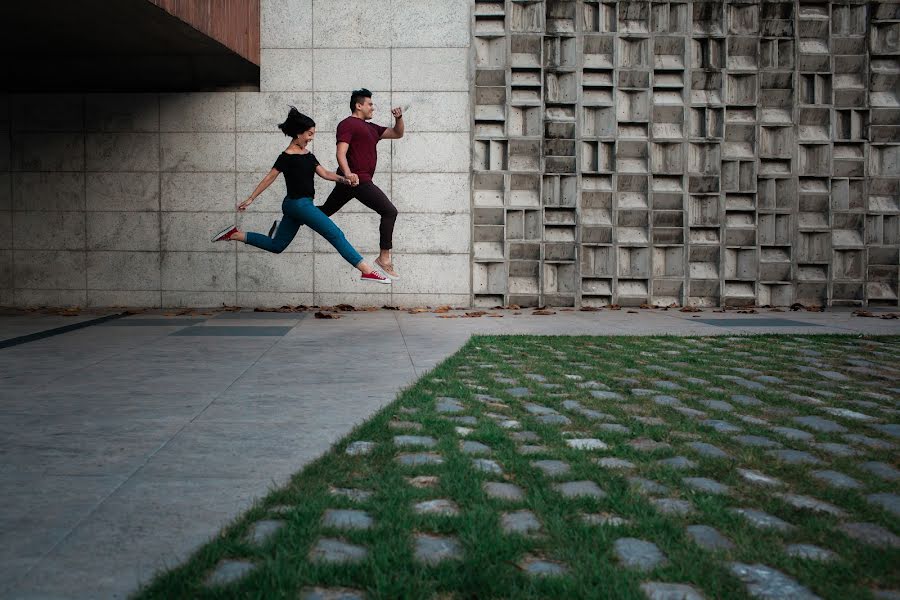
<point x="371" y="196"/>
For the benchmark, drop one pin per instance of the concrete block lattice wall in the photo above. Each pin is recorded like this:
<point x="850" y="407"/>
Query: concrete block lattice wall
<point x="110" y="199"/>
<point x="706" y="153"/>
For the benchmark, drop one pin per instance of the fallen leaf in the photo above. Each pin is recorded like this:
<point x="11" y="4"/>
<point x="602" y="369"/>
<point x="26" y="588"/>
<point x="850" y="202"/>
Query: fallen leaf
<point x="326" y="315"/>
<point x="231" y="308"/>
<point x="448" y="316"/>
<point x="634" y="312"/>
<point x="645" y="306"/>
<point x="475" y="313"/>
<point x="891" y="316"/>
<point x="513" y="307"/>
<point x="494" y="315"/>
<point x="815" y="308"/>
<point x="775" y="310"/>
<point x="370" y="308"/>
<point x="344" y="307"/>
<point x="567" y="310"/>
<point x="797" y="306"/>
<point x="750" y="311"/>
<point x="415" y="311"/>
<point x="442" y="309"/>
<point x="614" y="307"/>
<point x="264" y="309"/>
<point x="590" y="309"/>
<point x="389" y="307"/>
<point x="542" y="311"/>
<point x="863" y="313"/>
<point x="689" y="309"/>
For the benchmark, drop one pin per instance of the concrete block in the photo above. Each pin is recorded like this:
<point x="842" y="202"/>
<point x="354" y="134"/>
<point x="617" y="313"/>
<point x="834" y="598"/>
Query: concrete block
<point x="49" y="269"/>
<point x="6" y="270"/>
<point x="330" y="108"/>
<point x="6" y="230"/>
<point x="377" y="297"/>
<point x="275" y="273"/>
<point x="122" y="152"/>
<point x="121" y="112"/>
<point x="342" y="24"/>
<point x="260" y="222"/>
<point x="124" y="298"/>
<point x="192" y="231"/>
<point x="197" y="152"/>
<point x="435" y="111"/>
<point x="263" y="111"/>
<point x="49" y="297"/>
<point x="432" y="153"/>
<point x="198" y="272"/>
<point x="416" y="24"/>
<point x="430" y="69"/>
<point x="188" y="298"/>
<point x="252" y="299"/>
<point x="122" y="191"/>
<point x="360" y="229"/>
<point x="343" y="71"/>
<point x="259" y="151"/>
<point x="48" y="230"/>
<point x="440" y="233"/>
<point x="133" y="271"/>
<point x="198" y="191"/>
<point x="197" y="111"/>
<point x="47" y="112"/>
<point x="432" y="274"/>
<point x="41" y="152"/>
<point x="286" y="24"/>
<point x="333" y="274"/>
<point x="5" y="148"/>
<point x="48" y="191"/>
<point x="5" y="191"/>
<point x="431" y="192"/>
<point x="284" y="70"/>
<point x="123" y="230"/>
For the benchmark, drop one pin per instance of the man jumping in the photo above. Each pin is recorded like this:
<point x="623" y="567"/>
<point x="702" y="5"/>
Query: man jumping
<point x="357" y="157"/>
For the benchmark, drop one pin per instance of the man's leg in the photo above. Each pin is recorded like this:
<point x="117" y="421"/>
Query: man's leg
<point x="371" y="196"/>
<point x="339" y="196"/>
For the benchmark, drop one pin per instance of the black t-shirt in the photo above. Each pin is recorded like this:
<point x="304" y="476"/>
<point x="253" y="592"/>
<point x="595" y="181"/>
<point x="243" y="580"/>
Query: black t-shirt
<point x="298" y="170"/>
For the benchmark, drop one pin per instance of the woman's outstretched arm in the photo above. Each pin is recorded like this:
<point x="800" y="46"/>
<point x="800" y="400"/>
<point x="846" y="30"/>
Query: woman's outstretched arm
<point x="331" y="176"/>
<point x="266" y="182"/>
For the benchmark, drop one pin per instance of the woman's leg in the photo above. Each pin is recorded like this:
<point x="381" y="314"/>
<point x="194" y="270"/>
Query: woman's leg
<point x="285" y="234"/>
<point x="321" y="224"/>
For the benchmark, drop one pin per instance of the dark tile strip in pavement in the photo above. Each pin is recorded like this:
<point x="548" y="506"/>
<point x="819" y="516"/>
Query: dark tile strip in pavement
<point x="226" y="330"/>
<point x="33" y="337"/>
<point x="758" y="322"/>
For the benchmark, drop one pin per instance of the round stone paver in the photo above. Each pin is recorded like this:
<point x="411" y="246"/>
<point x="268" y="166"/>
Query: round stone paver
<point x="887" y="501"/>
<point x="586" y="444"/>
<point x="880" y="469"/>
<point x="575" y="489"/>
<point x="414" y="440"/>
<point x="604" y="519"/>
<point x="756" y="441"/>
<point x="655" y="590"/>
<point x="647" y="486"/>
<point x="648" y="445"/>
<point x="677" y="462"/>
<point x="440" y="506"/>
<point x="360" y="448"/>
<point x="260" y="532"/>
<point x="503" y="491"/>
<point x="351" y="493"/>
<point x="419" y="458"/>
<point x="529" y="449"/>
<point x="228" y="571"/>
<point x="604" y="395"/>
<point x="638" y="554"/>
<point x="525" y="436"/>
<point x="423" y="481"/>
<point x="471" y="447"/>
<point x="709" y="538"/>
<point x="346" y="519"/>
<point x="330" y="550"/>
<point x="538" y="409"/>
<point x="538" y="567"/>
<point x="758" y="478"/>
<point x="609" y="462"/>
<point x="444" y="404"/>
<point x="820" y="424"/>
<point x="522" y="522"/>
<point x="613" y="428"/>
<point x="837" y="480"/>
<point x="721" y="426"/>
<point x="794" y="457"/>
<point x="766" y="582"/>
<point x="551" y="468"/>
<point x="487" y="466"/>
<point x="708" y="450"/>
<point x="433" y="549"/>
<point x="794" y="434"/>
<point x="762" y="520"/>
<point x="518" y="392"/>
<point x="704" y="484"/>
<point x="319" y="593"/>
<point x="809" y="552"/>
<point x="717" y="405"/>
<point x="813" y="504"/>
<point x="554" y="419"/>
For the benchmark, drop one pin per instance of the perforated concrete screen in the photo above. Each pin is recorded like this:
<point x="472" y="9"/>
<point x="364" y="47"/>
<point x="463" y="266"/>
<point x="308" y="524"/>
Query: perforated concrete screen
<point x="699" y="153"/>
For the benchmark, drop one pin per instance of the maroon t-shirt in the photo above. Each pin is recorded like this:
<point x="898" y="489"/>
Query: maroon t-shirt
<point x="362" y="137"/>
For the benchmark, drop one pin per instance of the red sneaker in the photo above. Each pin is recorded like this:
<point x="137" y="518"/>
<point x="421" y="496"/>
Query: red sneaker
<point x="374" y="276"/>
<point x="225" y="234"/>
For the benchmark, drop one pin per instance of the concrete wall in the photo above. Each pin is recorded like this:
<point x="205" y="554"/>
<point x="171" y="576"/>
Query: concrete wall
<point x="110" y="200"/>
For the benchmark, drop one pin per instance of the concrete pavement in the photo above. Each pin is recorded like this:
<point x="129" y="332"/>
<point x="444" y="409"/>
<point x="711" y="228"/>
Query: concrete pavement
<point x="127" y="444"/>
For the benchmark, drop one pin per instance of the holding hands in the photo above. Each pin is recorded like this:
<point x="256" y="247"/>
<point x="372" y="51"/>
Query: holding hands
<point x="352" y="180"/>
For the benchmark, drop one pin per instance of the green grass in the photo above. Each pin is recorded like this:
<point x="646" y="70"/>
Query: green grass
<point x="489" y="567"/>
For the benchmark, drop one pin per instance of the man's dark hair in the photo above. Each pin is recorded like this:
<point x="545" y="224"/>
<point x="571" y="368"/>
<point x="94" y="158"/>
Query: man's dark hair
<point x="296" y="123"/>
<point x="357" y="96"/>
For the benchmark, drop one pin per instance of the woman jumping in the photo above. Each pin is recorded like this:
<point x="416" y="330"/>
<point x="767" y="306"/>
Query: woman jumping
<point x="298" y="165"/>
